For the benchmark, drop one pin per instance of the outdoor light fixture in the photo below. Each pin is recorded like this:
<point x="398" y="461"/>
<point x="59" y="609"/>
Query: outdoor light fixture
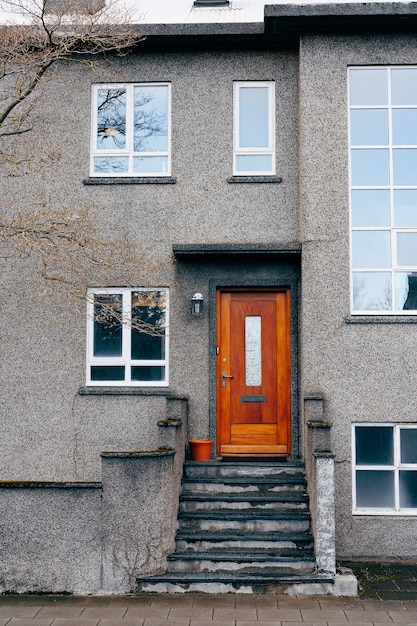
<point x="197" y="304"/>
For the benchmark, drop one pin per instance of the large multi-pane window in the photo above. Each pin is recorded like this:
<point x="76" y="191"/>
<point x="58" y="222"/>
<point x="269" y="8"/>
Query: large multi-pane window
<point x="383" y="171"/>
<point x="131" y="133"/>
<point x="385" y="469"/>
<point x="127" y="337"/>
<point x="254" y="128"/>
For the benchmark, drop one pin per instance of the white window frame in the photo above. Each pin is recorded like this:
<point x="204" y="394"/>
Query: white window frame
<point x="269" y="150"/>
<point x="395" y="467"/>
<point x="128" y="151"/>
<point x="394" y="268"/>
<point x="125" y="359"/>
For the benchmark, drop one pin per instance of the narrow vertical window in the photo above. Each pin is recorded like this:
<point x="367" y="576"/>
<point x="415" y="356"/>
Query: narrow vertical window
<point x="383" y="200"/>
<point x="254" y="128"/>
<point x="131" y="133"/>
<point x="127" y="337"/>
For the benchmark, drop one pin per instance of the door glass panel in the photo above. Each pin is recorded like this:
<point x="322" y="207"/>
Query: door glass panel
<point x="107" y="325"/>
<point x="375" y="489"/>
<point x="370" y="207"/>
<point x="253" y="351"/>
<point x="374" y="445"/>
<point x="408" y="489"/>
<point x="371" y="291"/>
<point x="408" y="438"/>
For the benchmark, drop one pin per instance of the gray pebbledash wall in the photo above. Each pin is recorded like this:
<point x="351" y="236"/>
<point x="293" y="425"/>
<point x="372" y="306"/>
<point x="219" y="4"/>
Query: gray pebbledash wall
<point x="365" y="371"/>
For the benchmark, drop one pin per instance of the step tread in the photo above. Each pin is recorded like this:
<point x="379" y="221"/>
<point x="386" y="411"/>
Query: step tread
<point x="241" y="557"/>
<point x="243" y="497"/>
<point x="244" y="515"/>
<point x="236" y="577"/>
<point x="226" y="535"/>
<point x="246" y="480"/>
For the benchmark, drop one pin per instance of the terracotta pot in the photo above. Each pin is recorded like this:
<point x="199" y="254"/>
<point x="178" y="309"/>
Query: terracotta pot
<point x="200" y="449"/>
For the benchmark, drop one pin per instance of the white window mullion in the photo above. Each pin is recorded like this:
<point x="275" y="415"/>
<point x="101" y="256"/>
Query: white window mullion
<point x="127" y="332"/>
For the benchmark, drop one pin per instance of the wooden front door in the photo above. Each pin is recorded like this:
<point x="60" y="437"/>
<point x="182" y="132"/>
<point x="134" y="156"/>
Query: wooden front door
<point x="253" y="373"/>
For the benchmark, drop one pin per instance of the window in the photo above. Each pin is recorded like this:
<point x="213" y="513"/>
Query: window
<point x="385" y="469"/>
<point x="254" y="128"/>
<point x="127" y="337"/>
<point x="383" y="173"/>
<point x="131" y="133"/>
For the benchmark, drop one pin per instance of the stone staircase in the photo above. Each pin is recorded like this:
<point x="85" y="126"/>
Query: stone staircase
<point x="243" y="527"/>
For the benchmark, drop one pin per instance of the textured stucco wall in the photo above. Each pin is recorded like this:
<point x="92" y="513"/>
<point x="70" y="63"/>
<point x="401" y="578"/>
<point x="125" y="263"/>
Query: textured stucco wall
<point x="48" y="431"/>
<point x="365" y="372"/>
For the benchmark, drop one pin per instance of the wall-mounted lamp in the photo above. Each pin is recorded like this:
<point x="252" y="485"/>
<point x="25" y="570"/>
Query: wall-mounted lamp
<point x="197" y="304"/>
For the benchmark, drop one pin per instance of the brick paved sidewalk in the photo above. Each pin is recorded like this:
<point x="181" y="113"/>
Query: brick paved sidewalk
<point x="202" y="610"/>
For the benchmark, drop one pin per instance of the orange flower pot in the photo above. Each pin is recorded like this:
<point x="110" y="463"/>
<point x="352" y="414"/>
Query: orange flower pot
<point x="200" y="449"/>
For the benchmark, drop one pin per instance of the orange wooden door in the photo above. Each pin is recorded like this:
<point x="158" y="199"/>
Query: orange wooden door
<point x="253" y="373"/>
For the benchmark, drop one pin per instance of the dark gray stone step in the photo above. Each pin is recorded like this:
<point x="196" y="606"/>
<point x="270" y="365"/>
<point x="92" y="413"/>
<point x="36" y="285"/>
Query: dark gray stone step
<point x="249" y="471"/>
<point x="230" y="538"/>
<point x="243" y="497"/>
<point x="242" y="515"/>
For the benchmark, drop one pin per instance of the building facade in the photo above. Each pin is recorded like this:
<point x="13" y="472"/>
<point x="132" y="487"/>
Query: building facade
<point x="270" y="171"/>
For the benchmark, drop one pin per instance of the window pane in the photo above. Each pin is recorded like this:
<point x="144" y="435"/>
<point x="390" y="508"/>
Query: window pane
<point x="147" y="374"/>
<point x="404" y="126"/>
<point x="253" y="117"/>
<point x="372" y="291"/>
<point x="405" y="207"/>
<point x="108" y="372"/>
<point x="408" y="440"/>
<point x="408" y="489"/>
<point x="254" y="163"/>
<point x="107" y="325"/>
<point x="370" y="167"/>
<point x="150" y="164"/>
<point x="148" y="325"/>
<point x="371" y="248"/>
<point x="405" y="166"/>
<point x="107" y="165"/>
<point x="374" y="445"/>
<point x="375" y="489"/>
<point x="368" y="86"/>
<point x="404" y="86"/>
<point x="369" y="127"/>
<point x="151" y="118"/>
<point x="407" y="248"/>
<point x="405" y="291"/>
<point x="111" y="119"/>
<point x="370" y="207"/>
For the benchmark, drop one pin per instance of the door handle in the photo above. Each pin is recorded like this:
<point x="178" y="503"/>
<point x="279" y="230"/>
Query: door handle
<point x="224" y="377"/>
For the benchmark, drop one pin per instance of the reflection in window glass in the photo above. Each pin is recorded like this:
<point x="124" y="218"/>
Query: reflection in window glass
<point x="111" y="119"/>
<point x="408" y="489"/>
<point x="408" y="441"/>
<point x="370" y="167"/>
<point x="253" y="117"/>
<point x="407" y="249"/>
<point x="404" y="127"/>
<point x="148" y="325"/>
<point x="405" y="166"/>
<point x="151" y="118"/>
<point x="369" y="127"/>
<point x="253" y="163"/>
<point x="372" y="291"/>
<point x="375" y="489"/>
<point x="406" y="291"/>
<point x="374" y="445"/>
<point x="107" y="325"/>
<point x="371" y="249"/>
<point x="368" y="86"/>
<point x="405" y="207"/>
<point x="404" y="86"/>
<point x="371" y="207"/>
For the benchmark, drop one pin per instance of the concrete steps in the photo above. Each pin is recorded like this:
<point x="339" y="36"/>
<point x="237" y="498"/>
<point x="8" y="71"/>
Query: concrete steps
<point x="242" y="527"/>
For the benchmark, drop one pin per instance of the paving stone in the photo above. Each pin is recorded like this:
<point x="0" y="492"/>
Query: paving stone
<point x="305" y="623"/>
<point x="258" y="623"/>
<point x="89" y="601"/>
<point x="192" y="612"/>
<point x="172" y="600"/>
<point x="369" y="617"/>
<point x="247" y="614"/>
<point x="160" y="622"/>
<point x="326" y="614"/>
<point x="18" y="621"/>
<point x="60" y="611"/>
<point x="21" y="612"/>
<point x="206" y="622"/>
<point x="400" y="617"/>
<point x="63" y="621"/>
<point x="147" y="612"/>
<point x="224" y="601"/>
<point x="249" y="601"/>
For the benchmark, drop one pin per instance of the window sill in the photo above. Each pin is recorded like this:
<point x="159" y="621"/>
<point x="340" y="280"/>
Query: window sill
<point x="125" y="391"/>
<point x="381" y="319"/>
<point x="138" y="180"/>
<point x="254" y="179"/>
